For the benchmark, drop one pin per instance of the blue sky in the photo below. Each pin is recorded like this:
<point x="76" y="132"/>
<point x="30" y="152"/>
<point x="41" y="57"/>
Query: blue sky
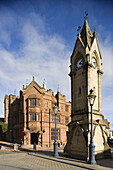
<point x="38" y="37"/>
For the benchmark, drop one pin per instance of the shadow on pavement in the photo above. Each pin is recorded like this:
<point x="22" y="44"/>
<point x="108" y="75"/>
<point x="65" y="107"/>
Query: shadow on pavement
<point x="106" y="162"/>
<point x="61" y="161"/>
<point x="7" y="145"/>
<point x="48" y="154"/>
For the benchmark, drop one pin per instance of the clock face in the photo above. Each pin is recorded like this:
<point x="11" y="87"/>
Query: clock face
<point x="79" y="63"/>
<point x="94" y="63"/>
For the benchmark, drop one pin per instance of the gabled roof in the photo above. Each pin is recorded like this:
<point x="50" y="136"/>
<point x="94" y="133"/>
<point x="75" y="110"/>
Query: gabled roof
<point x="35" y="85"/>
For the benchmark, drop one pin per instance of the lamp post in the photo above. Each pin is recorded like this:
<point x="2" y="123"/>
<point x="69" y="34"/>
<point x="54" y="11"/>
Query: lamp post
<point x="55" y="141"/>
<point x="91" y="98"/>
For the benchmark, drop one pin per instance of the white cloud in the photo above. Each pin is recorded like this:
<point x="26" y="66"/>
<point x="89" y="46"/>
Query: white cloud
<point x="106" y="47"/>
<point x="44" y="56"/>
<point x="108" y="103"/>
<point x="107" y="54"/>
<point x="39" y="54"/>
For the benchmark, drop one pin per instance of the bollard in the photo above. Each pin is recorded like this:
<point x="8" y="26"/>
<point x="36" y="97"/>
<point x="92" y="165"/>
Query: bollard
<point x="34" y="146"/>
<point x="15" y="146"/>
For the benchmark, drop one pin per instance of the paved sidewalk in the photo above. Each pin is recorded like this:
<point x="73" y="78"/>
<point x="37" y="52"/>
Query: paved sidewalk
<point x="12" y="160"/>
<point x="44" y="160"/>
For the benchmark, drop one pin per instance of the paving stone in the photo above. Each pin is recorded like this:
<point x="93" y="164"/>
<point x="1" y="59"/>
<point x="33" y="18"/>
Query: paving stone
<point x="33" y="160"/>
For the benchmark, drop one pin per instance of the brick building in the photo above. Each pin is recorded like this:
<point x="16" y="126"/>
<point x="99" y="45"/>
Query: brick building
<point x="31" y="117"/>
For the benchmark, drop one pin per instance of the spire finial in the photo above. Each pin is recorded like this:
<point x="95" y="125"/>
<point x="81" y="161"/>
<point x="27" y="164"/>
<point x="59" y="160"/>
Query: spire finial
<point x="26" y="82"/>
<point x="86" y="15"/>
<point x="33" y="78"/>
<point x="44" y="86"/>
<point x="58" y="90"/>
<point x="94" y="27"/>
<point x="78" y="29"/>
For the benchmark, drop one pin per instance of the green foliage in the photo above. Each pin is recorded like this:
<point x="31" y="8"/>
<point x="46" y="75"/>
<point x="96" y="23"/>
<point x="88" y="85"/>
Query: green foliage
<point x="4" y="127"/>
<point x="3" y="130"/>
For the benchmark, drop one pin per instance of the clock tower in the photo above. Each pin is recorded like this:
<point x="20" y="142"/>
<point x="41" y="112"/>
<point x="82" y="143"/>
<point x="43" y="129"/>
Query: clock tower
<point x="85" y="74"/>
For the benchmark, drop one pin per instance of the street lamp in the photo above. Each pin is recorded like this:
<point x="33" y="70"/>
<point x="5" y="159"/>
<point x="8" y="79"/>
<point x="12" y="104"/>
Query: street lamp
<point x="55" y="141"/>
<point x="91" y="98"/>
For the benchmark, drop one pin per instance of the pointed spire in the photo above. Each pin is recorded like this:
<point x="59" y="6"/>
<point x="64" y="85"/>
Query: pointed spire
<point x="86" y="34"/>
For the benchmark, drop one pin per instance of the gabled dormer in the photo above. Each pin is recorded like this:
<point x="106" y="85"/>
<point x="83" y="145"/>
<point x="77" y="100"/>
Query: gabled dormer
<point x="34" y="87"/>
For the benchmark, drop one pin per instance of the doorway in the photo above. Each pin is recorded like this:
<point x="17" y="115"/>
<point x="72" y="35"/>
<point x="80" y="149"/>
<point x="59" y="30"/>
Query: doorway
<point x="34" y="138"/>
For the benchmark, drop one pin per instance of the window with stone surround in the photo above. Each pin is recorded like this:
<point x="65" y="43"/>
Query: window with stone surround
<point x="53" y="133"/>
<point x="37" y="102"/>
<point x="33" y="117"/>
<point x="66" y="108"/>
<point x="53" y="118"/>
<point x="66" y="119"/>
<point x="34" y="102"/>
<point x="37" y="117"/>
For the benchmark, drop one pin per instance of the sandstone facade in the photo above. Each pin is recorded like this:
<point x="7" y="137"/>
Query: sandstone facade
<point x="31" y="117"/>
<point x="85" y="73"/>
